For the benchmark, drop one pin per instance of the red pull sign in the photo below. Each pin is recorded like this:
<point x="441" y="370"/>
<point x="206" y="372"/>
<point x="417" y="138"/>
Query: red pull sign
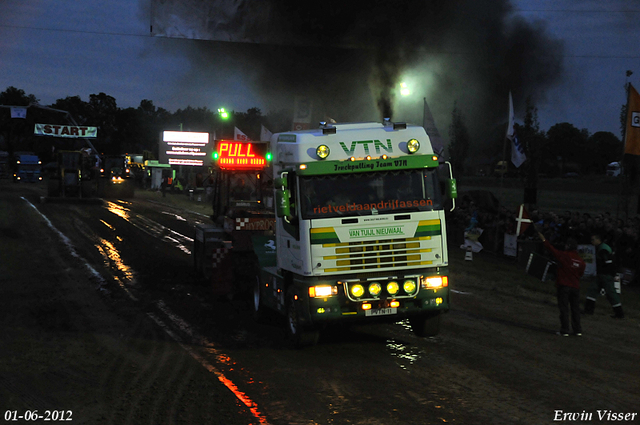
<point x="241" y="155"/>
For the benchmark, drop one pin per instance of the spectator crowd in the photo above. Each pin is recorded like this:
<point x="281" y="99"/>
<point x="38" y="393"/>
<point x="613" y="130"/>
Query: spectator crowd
<point x="495" y="220"/>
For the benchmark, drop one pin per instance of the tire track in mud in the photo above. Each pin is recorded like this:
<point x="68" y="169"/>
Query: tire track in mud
<point x="169" y="405"/>
<point x="151" y="227"/>
<point x="220" y="358"/>
<point x="149" y="384"/>
<point x="142" y="391"/>
<point x="125" y="381"/>
<point x="112" y="260"/>
<point x="122" y="371"/>
<point x="149" y="378"/>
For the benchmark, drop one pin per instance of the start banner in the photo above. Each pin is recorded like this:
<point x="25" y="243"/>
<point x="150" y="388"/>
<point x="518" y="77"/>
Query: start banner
<point x="65" y="130"/>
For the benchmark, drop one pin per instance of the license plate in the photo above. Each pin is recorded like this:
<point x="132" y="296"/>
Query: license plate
<point x="381" y="312"/>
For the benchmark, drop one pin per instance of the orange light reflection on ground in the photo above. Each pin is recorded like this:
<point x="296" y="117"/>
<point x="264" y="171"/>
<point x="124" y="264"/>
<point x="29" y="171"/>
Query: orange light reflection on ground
<point x="251" y="405"/>
<point x="108" y="225"/>
<point x="118" y="210"/>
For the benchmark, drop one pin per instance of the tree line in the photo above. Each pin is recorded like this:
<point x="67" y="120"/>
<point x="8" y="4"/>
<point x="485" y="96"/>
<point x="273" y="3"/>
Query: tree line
<point x="120" y="130"/>
<point x="560" y="150"/>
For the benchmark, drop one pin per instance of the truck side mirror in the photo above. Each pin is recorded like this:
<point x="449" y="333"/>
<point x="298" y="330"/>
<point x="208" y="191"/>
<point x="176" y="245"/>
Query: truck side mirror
<point x="283" y="204"/>
<point x="452" y="188"/>
<point x="280" y="182"/>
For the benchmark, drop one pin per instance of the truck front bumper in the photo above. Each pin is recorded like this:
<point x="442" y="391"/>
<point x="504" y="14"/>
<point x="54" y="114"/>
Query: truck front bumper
<point x="340" y="309"/>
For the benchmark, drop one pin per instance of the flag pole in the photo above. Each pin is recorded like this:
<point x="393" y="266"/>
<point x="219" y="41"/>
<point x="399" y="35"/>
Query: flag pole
<point x="623" y="175"/>
<point x="504" y="146"/>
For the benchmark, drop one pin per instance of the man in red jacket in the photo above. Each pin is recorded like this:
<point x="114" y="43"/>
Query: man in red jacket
<point x="570" y="270"/>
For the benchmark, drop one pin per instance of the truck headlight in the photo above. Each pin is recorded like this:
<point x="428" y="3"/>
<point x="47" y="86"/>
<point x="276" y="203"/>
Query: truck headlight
<point x="322" y="291"/>
<point x="375" y="288"/>
<point x="409" y="286"/>
<point x="413" y="145"/>
<point x="433" y="282"/>
<point x="357" y="290"/>
<point x="323" y="151"/>
<point x="393" y="287"/>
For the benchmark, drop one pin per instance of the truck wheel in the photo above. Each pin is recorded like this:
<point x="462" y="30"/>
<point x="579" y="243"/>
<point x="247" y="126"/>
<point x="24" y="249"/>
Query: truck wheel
<point x="426" y="325"/>
<point x="299" y="335"/>
<point x="259" y="313"/>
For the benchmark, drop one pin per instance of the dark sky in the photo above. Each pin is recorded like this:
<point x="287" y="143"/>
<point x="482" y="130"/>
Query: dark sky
<point x="57" y="49"/>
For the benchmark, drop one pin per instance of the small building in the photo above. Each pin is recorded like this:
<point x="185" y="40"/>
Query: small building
<point x="155" y="170"/>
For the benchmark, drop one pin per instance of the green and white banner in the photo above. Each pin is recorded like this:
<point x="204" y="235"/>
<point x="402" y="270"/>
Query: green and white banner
<point x="71" y="131"/>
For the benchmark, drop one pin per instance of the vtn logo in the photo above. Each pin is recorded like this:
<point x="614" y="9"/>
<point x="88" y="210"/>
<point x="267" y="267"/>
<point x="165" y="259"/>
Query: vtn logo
<point x="635" y="119"/>
<point x="377" y="145"/>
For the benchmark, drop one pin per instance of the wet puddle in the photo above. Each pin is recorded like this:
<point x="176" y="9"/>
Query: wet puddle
<point x="152" y="228"/>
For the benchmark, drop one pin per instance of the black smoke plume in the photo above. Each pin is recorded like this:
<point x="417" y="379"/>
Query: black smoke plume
<point x="349" y="57"/>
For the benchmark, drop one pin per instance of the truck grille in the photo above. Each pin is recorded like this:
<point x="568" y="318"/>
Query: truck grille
<point x="377" y="254"/>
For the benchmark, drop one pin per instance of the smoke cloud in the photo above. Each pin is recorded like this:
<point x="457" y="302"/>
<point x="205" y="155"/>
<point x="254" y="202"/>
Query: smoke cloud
<point x="349" y="57"/>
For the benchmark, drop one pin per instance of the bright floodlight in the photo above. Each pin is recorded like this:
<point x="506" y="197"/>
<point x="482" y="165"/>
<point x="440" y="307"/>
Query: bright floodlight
<point x="223" y="114"/>
<point x="404" y="90"/>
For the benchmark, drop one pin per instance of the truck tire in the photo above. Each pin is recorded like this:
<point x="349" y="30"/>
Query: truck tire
<point x="300" y="335"/>
<point x="259" y="313"/>
<point x="426" y="325"/>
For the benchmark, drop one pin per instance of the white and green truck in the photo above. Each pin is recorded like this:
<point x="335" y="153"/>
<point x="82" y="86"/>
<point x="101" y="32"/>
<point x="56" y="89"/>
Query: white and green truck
<point x="360" y="232"/>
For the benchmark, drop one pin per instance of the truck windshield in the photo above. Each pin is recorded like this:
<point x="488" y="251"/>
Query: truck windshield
<point x="369" y="193"/>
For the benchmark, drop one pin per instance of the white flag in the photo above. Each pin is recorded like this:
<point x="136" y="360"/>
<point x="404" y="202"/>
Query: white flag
<point x="18" y="112"/>
<point x="302" y="113"/>
<point x="265" y="135"/>
<point x="517" y="151"/>
<point x="239" y="135"/>
<point x="429" y="125"/>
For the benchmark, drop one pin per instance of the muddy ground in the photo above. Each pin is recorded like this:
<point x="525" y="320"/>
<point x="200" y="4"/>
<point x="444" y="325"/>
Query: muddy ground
<point x="102" y="317"/>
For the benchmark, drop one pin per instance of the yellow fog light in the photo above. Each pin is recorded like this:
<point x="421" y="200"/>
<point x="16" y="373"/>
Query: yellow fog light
<point x="357" y="290"/>
<point x="409" y="286"/>
<point x="393" y="288"/>
<point x="322" y="151"/>
<point x="375" y="288"/>
<point x="413" y="145"/>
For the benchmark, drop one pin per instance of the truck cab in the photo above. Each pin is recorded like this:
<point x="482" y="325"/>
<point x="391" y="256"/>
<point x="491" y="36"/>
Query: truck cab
<point x="360" y="229"/>
<point x="28" y="168"/>
<point x="116" y="177"/>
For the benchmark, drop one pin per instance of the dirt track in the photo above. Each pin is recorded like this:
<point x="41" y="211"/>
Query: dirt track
<point x="118" y="337"/>
<point x="74" y="342"/>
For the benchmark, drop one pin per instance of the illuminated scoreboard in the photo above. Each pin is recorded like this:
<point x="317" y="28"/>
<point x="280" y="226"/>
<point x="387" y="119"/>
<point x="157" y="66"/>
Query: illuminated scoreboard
<point x="184" y="148"/>
<point x="235" y="155"/>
